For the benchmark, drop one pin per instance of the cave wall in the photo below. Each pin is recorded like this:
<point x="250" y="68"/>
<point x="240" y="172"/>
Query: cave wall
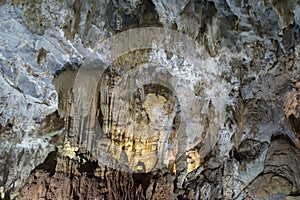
<point x="85" y="85"/>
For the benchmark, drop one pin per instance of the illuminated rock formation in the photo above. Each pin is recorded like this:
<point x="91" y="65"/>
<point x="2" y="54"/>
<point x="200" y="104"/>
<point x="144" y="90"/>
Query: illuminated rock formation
<point x="149" y="99"/>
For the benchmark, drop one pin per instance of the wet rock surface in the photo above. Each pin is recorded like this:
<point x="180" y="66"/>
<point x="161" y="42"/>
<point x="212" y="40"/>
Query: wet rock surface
<point x="149" y="114"/>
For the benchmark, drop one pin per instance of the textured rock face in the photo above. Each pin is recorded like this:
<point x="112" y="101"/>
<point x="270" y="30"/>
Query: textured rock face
<point x="200" y="102"/>
<point x="278" y="178"/>
<point x="64" y="178"/>
<point x="291" y="109"/>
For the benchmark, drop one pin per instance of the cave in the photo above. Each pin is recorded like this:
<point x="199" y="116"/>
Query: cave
<point x="149" y="99"/>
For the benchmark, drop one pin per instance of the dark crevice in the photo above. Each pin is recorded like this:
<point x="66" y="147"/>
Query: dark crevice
<point x="88" y="168"/>
<point x="49" y="164"/>
<point x="100" y="113"/>
<point x="142" y="179"/>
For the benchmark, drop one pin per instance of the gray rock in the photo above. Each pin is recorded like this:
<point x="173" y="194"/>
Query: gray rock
<point x="224" y="69"/>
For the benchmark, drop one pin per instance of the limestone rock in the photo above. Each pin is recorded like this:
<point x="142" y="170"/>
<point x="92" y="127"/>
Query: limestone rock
<point x="292" y="110"/>
<point x="280" y="172"/>
<point x="146" y="99"/>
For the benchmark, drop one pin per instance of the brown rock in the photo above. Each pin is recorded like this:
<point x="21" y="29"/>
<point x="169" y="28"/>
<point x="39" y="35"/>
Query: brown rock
<point x="281" y="175"/>
<point x="292" y="111"/>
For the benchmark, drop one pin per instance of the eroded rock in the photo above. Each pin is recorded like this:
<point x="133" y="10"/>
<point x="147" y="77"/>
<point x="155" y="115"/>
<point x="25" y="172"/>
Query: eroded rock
<point x="207" y="136"/>
<point x="281" y="171"/>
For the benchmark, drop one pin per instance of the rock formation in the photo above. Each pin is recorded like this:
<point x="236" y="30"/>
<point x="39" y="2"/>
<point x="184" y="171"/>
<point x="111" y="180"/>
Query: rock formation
<point x="149" y="99"/>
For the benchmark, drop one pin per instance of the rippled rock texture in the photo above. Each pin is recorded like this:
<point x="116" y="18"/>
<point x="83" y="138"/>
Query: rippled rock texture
<point x="149" y="99"/>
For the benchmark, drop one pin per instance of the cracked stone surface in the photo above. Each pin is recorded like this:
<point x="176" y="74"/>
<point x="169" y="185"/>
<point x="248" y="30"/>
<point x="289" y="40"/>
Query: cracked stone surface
<point x="142" y="99"/>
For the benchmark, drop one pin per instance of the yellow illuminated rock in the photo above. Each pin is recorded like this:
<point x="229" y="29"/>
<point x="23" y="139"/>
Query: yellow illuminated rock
<point x="193" y="160"/>
<point x="138" y="131"/>
<point x="68" y="151"/>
